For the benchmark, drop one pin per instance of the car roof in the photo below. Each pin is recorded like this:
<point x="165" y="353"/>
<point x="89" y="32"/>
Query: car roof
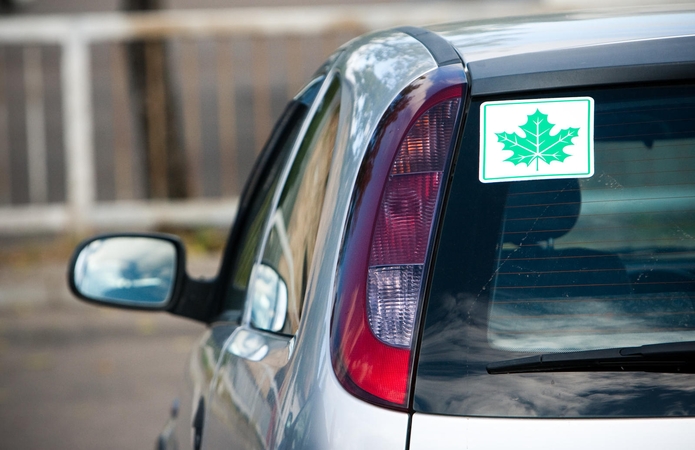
<point x="578" y="49"/>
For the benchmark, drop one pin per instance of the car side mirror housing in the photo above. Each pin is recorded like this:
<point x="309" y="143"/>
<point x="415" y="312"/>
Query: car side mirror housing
<point x="137" y="271"/>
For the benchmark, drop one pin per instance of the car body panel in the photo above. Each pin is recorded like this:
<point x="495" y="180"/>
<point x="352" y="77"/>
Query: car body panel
<point x="297" y="400"/>
<point x="497" y="38"/>
<point x="244" y="390"/>
<point x="471" y="433"/>
<point x="560" y="51"/>
<point x="199" y="375"/>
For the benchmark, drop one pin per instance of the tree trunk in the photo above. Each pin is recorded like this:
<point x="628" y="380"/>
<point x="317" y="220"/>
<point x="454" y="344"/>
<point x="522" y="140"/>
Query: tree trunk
<point x="153" y="102"/>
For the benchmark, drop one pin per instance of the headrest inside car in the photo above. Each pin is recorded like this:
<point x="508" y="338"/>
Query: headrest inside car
<point x="541" y="210"/>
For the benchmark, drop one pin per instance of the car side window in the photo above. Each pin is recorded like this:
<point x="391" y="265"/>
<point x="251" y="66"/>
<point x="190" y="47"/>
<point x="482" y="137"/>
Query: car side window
<point x="280" y="277"/>
<point x="254" y="215"/>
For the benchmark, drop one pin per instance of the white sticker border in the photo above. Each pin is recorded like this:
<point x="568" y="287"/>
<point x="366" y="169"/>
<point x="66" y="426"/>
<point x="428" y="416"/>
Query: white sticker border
<point x="590" y="140"/>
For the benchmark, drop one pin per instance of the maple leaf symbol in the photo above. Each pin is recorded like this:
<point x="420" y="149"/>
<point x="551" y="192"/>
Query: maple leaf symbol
<point x="538" y="144"/>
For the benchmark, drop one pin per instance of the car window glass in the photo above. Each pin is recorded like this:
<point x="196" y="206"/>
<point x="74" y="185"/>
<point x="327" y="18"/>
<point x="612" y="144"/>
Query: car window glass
<point x="547" y="266"/>
<point x="609" y="260"/>
<point x="256" y="217"/>
<point x="283" y="270"/>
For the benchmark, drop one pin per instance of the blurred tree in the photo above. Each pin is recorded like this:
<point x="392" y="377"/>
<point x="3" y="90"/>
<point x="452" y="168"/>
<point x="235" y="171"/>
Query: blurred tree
<point x="153" y="101"/>
<point x="12" y="6"/>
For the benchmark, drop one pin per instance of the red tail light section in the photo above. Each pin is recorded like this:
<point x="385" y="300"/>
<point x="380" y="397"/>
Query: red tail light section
<point x="387" y="243"/>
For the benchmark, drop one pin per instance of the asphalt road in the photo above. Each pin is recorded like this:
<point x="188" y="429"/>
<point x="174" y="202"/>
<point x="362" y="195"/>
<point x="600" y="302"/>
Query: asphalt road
<point x="81" y="377"/>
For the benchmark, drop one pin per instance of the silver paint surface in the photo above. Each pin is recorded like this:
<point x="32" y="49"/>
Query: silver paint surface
<point x="274" y="391"/>
<point x="483" y="40"/>
<point x="449" y="433"/>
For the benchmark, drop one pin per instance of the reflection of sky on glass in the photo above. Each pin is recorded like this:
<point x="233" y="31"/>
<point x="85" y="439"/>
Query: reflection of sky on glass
<point x="567" y="395"/>
<point x="452" y="379"/>
<point x="622" y="276"/>
<point x="562" y="324"/>
<point x="626" y="219"/>
<point x="640" y="208"/>
<point x="127" y="269"/>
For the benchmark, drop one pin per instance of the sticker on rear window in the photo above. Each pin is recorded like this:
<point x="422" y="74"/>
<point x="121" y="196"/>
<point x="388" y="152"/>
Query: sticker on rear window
<point x="536" y="139"/>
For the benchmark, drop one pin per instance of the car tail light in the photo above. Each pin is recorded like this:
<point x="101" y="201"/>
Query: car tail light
<point x="386" y="246"/>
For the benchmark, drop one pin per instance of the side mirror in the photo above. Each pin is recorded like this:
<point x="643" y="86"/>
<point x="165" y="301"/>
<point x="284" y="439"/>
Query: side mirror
<point x="269" y="299"/>
<point x="131" y="271"/>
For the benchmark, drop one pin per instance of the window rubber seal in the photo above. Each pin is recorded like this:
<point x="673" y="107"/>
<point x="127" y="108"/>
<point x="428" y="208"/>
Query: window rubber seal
<point x="441" y="50"/>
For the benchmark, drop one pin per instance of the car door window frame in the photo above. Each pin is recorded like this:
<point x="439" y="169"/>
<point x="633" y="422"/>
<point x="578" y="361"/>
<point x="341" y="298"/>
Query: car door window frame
<point x="297" y="114"/>
<point x="328" y="98"/>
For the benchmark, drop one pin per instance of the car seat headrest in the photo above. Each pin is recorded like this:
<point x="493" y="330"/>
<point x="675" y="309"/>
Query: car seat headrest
<point x="541" y="210"/>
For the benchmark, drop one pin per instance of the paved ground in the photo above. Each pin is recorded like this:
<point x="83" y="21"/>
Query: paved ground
<point x="75" y="376"/>
<point x="81" y="377"/>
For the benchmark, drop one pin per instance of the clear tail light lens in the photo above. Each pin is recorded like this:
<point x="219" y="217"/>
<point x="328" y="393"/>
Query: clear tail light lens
<point x="386" y="247"/>
<point x="393" y="297"/>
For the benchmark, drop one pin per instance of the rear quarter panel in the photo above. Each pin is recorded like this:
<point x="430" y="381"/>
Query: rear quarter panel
<point x="450" y="433"/>
<point x="315" y="411"/>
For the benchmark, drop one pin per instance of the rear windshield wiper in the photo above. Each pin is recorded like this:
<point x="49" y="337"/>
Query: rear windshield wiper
<point x="670" y="357"/>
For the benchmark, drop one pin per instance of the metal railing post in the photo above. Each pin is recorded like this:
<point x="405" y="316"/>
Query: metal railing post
<point x="81" y="35"/>
<point x="36" y="125"/>
<point x="78" y="129"/>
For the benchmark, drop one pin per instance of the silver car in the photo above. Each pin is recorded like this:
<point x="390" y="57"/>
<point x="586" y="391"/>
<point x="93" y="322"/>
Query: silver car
<point x="470" y="236"/>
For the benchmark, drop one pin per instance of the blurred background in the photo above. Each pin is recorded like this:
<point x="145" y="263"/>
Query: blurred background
<point x="142" y="115"/>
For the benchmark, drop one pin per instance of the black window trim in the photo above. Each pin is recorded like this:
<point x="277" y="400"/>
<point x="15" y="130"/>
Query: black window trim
<point x="325" y="86"/>
<point x="296" y="110"/>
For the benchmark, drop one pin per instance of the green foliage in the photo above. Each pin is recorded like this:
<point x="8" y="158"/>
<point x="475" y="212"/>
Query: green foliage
<point x="538" y="144"/>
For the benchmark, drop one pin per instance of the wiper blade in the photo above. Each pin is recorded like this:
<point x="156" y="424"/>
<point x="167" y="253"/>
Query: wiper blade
<point x="669" y="357"/>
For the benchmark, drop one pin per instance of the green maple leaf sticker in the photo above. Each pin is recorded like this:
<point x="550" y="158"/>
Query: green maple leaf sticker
<point x="538" y="144"/>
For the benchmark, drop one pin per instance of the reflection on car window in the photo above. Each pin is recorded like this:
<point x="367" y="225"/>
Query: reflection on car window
<point x="568" y="264"/>
<point x="608" y="260"/>
<point x="127" y="269"/>
<point x="290" y="244"/>
<point x="256" y="217"/>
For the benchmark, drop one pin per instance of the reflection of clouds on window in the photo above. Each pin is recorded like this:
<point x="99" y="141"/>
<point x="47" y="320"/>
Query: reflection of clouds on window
<point x="563" y="294"/>
<point x="554" y="325"/>
<point x="127" y="269"/>
<point x="600" y="263"/>
<point x="567" y="394"/>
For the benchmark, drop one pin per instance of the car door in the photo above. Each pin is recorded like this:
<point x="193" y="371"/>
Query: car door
<point x="269" y="277"/>
<point x="231" y="285"/>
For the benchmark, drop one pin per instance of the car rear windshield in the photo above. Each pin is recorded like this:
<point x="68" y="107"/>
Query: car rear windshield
<point x="528" y="268"/>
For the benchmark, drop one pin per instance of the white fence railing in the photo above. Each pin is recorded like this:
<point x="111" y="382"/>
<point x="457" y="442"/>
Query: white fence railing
<point x="78" y="40"/>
